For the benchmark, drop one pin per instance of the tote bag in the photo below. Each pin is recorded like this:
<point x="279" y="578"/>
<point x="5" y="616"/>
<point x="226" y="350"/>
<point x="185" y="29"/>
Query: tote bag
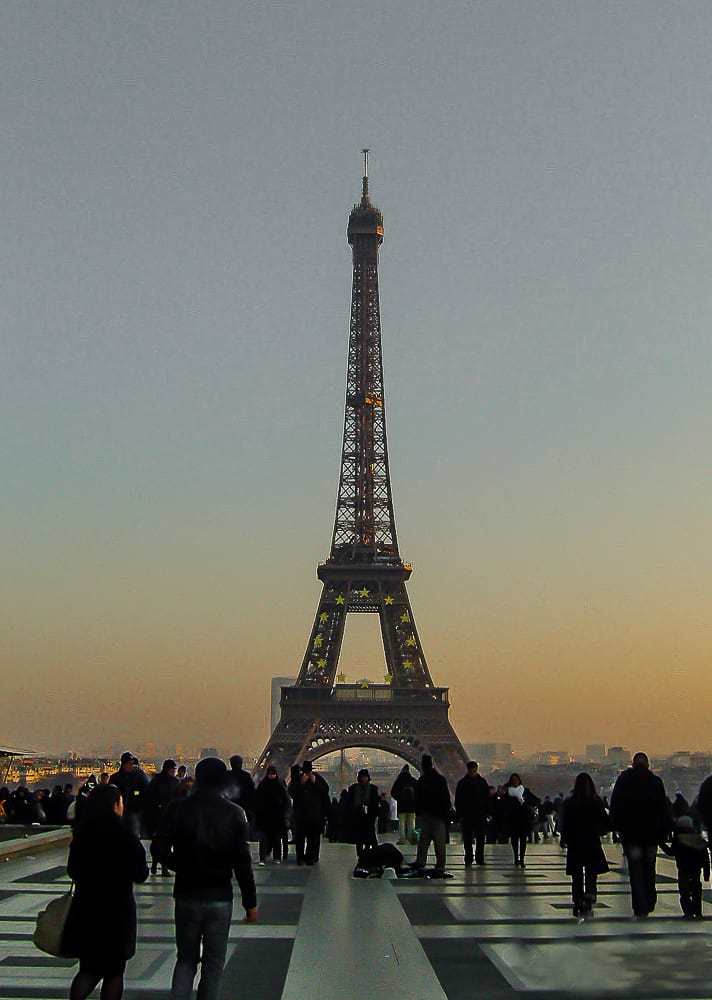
<point x="49" y="929"/>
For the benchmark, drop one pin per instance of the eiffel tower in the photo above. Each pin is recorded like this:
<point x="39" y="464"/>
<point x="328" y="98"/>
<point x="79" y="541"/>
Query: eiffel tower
<point x="364" y="574"/>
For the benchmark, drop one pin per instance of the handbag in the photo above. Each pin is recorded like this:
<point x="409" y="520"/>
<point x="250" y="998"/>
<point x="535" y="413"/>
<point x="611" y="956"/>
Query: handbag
<point x="51" y="922"/>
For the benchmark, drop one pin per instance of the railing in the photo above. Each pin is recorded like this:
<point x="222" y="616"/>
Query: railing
<point x="360" y="693"/>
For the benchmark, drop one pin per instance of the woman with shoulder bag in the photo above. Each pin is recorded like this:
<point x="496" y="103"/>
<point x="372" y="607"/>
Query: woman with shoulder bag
<point x="105" y="859"/>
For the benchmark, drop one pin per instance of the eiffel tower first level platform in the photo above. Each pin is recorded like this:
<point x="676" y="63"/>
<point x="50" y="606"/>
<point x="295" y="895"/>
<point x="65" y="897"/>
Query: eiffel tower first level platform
<point x="365" y="574"/>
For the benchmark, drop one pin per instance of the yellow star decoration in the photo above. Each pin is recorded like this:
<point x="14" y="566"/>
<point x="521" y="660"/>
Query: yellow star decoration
<point x="321" y="663"/>
<point x="410" y="642"/>
<point x="387" y="679"/>
<point x="341" y="599"/>
<point x="324" y="616"/>
<point x="388" y="599"/>
<point x="405" y="617"/>
<point x="407" y="665"/>
<point x="318" y="642"/>
<point x="363" y="592"/>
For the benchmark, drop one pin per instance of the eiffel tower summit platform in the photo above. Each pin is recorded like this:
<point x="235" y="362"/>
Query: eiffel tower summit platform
<point x="364" y="573"/>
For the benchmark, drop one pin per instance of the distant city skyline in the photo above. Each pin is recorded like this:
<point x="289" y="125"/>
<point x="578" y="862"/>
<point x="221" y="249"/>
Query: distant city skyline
<point x="176" y="284"/>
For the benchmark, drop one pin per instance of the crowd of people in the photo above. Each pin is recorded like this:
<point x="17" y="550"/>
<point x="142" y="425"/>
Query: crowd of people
<point x="199" y="830"/>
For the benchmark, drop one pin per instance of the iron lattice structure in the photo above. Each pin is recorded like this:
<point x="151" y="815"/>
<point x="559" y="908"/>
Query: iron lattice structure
<point x="364" y="573"/>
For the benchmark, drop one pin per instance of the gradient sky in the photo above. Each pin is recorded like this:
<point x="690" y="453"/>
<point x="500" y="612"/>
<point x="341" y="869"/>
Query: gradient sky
<point x="175" y="284"/>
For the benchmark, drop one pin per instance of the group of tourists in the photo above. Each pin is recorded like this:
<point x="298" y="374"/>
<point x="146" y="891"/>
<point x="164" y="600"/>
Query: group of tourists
<point x="199" y="831"/>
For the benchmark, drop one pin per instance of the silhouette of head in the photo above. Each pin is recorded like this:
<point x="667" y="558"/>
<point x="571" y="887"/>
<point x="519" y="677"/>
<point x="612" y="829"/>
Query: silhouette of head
<point x="210" y="773"/>
<point x="640" y="759"/>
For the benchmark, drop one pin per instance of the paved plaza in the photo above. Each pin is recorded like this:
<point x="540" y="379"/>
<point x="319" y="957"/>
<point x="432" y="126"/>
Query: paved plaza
<point x="495" y="933"/>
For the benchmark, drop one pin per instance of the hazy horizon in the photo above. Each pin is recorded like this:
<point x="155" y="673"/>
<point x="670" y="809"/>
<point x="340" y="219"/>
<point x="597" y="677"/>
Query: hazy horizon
<point x="176" y="283"/>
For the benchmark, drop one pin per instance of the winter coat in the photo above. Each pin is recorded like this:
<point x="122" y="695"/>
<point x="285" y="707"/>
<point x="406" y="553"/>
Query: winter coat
<point x="271" y="805"/>
<point x="432" y="796"/>
<point x="403" y="792"/>
<point x="363" y="824"/>
<point x="704" y="802"/>
<point x="241" y="790"/>
<point x="311" y="801"/>
<point x="472" y="798"/>
<point x="161" y="791"/>
<point x="582" y="824"/>
<point x="105" y="859"/>
<point x="133" y="786"/>
<point x="520" y="815"/>
<point x="691" y="852"/>
<point x="640" y="811"/>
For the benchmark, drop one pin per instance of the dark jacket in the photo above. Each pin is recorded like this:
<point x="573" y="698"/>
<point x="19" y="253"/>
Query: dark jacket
<point x="582" y="824"/>
<point x="133" y="786"/>
<point x="691" y="852"/>
<point x="432" y="796"/>
<point x="203" y="839"/>
<point x="640" y="811"/>
<point x="311" y="801"/>
<point x="162" y="789"/>
<point x="361" y="821"/>
<point x="241" y="790"/>
<point x="403" y="792"/>
<point x="472" y="798"/>
<point x="271" y="805"/>
<point x="520" y="816"/>
<point x="105" y="859"/>
<point x="704" y="802"/>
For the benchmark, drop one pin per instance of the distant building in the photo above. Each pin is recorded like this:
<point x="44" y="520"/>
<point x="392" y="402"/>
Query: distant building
<point x="276" y="693"/>
<point x="552" y="758"/>
<point x="617" y="755"/>
<point x="595" y="752"/>
<point x="489" y="754"/>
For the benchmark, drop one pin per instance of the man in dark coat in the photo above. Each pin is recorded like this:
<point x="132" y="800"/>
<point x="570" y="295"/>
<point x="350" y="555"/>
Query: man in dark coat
<point x="704" y="803"/>
<point x="203" y="838"/>
<point x="403" y="792"/>
<point x="241" y="788"/>
<point x="363" y="810"/>
<point x="132" y="782"/>
<point x="471" y="806"/>
<point x="640" y="812"/>
<point x="162" y="789"/>
<point x="311" y="805"/>
<point x="432" y="806"/>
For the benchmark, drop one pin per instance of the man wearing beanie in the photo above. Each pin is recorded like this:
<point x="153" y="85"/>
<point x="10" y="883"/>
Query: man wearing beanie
<point x="203" y="838"/>
<point x="432" y="806"/>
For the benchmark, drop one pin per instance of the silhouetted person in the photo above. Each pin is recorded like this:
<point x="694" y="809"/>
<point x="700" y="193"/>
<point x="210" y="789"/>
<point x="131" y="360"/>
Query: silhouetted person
<point x="692" y="857"/>
<point x="132" y="782"/>
<point x="241" y="788"/>
<point x="310" y="807"/>
<point x="519" y="806"/>
<point x="162" y="790"/>
<point x="105" y="859"/>
<point x="363" y="810"/>
<point x="583" y="822"/>
<point x="704" y="804"/>
<point x="203" y="838"/>
<point x="432" y="806"/>
<point x="403" y="792"/>
<point x="640" y="812"/>
<point x="471" y="806"/>
<point x="271" y="806"/>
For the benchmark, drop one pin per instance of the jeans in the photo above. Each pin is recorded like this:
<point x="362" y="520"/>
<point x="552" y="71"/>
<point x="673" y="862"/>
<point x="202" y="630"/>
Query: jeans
<point x="474" y="829"/>
<point x="206" y="923"/>
<point x="519" y="847"/>
<point x="406" y="826"/>
<point x="641" y="872"/>
<point x="432" y="828"/>
<point x="584" y="889"/>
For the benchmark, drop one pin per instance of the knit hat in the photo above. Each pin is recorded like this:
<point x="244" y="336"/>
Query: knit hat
<point x="684" y="823"/>
<point x="210" y="773"/>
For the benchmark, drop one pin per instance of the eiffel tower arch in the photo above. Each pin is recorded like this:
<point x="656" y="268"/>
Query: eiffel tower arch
<point x="364" y="574"/>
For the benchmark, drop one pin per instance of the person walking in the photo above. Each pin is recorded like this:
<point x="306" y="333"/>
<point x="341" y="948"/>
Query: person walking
<point x="640" y="812"/>
<point x="161" y="791"/>
<point x="692" y="858"/>
<point x="203" y="839"/>
<point x="271" y="805"/>
<point x="105" y="859"/>
<point x="584" y="821"/>
<point x="403" y="792"/>
<point x="364" y="805"/>
<point x="311" y="805"/>
<point x="132" y="782"/>
<point x="433" y="807"/>
<point x="471" y="806"/>
<point x="520" y="807"/>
